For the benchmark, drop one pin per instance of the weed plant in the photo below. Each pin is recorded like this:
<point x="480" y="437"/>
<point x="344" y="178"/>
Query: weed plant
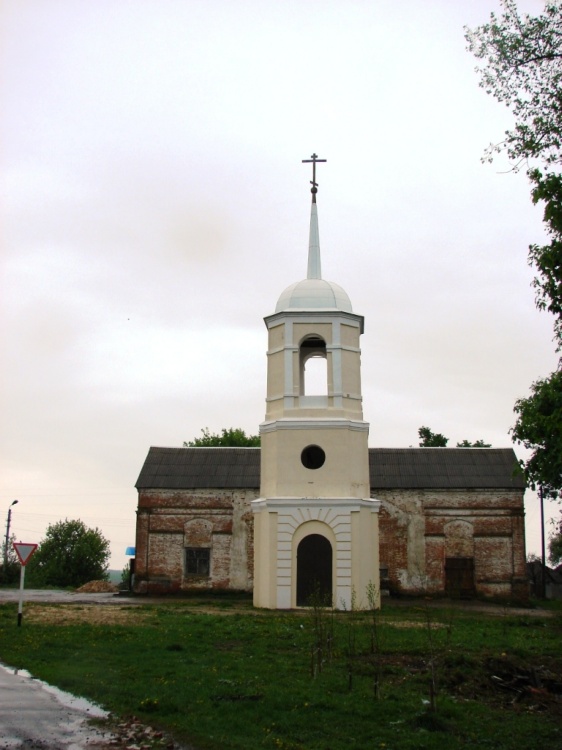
<point x="241" y="679"/>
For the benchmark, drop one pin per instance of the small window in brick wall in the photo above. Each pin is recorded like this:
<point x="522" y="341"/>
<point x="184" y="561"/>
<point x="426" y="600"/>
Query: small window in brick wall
<point x="197" y="561"/>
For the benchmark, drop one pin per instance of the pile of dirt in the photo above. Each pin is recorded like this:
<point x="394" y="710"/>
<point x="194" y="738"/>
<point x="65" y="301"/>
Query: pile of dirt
<point x="506" y="681"/>
<point x="98" y="587"/>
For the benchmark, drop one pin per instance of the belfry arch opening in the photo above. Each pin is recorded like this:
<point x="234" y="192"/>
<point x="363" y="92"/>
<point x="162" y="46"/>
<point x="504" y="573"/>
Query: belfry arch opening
<point x="314" y="571"/>
<point x="313" y="363"/>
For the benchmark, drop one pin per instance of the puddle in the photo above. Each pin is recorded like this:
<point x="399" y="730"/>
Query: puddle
<point x="66" y="699"/>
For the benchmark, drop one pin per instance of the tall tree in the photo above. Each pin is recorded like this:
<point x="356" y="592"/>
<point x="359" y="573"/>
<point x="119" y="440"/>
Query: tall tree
<point x="71" y="554"/>
<point x="233" y="437"/>
<point x="522" y="68"/>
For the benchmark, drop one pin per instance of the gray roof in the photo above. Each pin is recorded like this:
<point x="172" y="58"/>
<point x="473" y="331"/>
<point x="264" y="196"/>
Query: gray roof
<point x="197" y="468"/>
<point x="390" y="468"/>
<point x="444" y="468"/>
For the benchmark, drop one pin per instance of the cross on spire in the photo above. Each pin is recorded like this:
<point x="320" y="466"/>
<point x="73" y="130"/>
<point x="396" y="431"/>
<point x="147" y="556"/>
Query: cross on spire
<point x="313" y="159"/>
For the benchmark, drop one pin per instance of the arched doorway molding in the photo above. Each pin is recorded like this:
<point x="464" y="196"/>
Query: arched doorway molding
<point x="307" y="529"/>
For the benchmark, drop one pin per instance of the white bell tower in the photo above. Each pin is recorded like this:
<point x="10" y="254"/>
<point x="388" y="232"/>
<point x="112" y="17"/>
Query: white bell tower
<point x="315" y="526"/>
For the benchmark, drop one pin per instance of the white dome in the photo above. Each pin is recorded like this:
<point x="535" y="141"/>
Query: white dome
<point x="314" y="294"/>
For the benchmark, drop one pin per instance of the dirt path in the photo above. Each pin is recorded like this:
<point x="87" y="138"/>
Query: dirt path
<point x="119" y="607"/>
<point x="472" y="605"/>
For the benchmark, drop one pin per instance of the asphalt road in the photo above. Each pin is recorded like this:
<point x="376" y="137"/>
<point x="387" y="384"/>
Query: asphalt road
<point x="56" y="596"/>
<point x="36" y="716"/>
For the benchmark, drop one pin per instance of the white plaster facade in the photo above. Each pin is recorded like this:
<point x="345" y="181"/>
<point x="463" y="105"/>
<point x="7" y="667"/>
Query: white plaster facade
<point x="348" y="525"/>
<point x="314" y="451"/>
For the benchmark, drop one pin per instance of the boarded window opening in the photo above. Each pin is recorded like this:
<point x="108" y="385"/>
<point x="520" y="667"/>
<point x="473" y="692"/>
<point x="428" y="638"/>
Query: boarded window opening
<point x="459" y="577"/>
<point x="197" y="561"/>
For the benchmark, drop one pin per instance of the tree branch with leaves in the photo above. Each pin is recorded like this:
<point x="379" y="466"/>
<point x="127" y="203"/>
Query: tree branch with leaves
<point x="522" y="68"/>
<point x="234" y="437"/>
<point x="430" y="439"/>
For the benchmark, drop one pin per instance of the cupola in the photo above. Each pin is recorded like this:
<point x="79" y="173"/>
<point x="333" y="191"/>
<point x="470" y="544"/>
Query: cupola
<point x="314" y="292"/>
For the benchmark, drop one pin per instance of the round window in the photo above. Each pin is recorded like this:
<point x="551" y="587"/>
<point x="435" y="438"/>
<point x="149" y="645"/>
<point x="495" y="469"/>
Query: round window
<point x="313" y="457"/>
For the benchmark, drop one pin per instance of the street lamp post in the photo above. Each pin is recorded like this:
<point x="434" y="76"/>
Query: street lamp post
<point x="8" y="522"/>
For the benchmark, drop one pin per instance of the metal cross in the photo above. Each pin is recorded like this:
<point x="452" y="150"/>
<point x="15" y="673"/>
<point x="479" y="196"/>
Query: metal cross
<point x="313" y="159"/>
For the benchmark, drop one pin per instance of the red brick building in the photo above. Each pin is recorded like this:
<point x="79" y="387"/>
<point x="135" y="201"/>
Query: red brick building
<point x="314" y="511"/>
<point x="451" y="520"/>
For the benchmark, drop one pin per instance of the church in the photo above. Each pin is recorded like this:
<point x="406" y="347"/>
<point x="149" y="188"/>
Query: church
<point x="314" y="514"/>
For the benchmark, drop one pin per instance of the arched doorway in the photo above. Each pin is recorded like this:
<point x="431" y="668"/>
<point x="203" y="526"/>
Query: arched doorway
<point x="314" y="570"/>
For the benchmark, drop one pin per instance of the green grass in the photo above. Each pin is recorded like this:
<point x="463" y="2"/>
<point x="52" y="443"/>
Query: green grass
<point x="243" y="680"/>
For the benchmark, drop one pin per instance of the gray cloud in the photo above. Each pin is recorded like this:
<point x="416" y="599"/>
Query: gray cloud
<point x="154" y="207"/>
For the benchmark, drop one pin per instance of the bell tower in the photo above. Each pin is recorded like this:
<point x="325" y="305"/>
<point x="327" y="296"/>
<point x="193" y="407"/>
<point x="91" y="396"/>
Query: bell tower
<point x="315" y="526"/>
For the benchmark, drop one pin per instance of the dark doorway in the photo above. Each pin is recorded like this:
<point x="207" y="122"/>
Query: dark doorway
<point x="314" y="571"/>
<point x="459" y="577"/>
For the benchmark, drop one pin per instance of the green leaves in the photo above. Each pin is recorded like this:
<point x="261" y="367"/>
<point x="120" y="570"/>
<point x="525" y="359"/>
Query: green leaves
<point x="429" y="439"/>
<point x="71" y="554"/>
<point x="539" y="428"/>
<point x="523" y="69"/>
<point x="233" y="437"/>
<point x="547" y="259"/>
<point x="555" y="545"/>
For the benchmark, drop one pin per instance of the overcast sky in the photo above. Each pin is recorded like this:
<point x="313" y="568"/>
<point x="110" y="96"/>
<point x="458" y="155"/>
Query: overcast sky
<point x="154" y="207"/>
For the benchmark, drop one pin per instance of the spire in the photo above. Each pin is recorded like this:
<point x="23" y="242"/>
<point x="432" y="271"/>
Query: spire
<point x="314" y="268"/>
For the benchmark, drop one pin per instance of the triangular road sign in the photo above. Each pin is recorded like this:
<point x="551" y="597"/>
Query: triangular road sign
<point x="24" y="551"/>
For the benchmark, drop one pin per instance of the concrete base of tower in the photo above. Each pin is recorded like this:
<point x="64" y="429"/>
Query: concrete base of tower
<point x="316" y="551"/>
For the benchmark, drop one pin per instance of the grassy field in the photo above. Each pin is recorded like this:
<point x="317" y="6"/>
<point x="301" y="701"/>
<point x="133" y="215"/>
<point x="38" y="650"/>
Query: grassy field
<point x="217" y="674"/>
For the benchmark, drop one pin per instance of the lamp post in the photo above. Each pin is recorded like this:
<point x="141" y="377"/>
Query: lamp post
<point x="8" y="536"/>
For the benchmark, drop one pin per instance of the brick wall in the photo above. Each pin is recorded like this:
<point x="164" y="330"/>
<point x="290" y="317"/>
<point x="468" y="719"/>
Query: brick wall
<point x="419" y="530"/>
<point x="169" y="521"/>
